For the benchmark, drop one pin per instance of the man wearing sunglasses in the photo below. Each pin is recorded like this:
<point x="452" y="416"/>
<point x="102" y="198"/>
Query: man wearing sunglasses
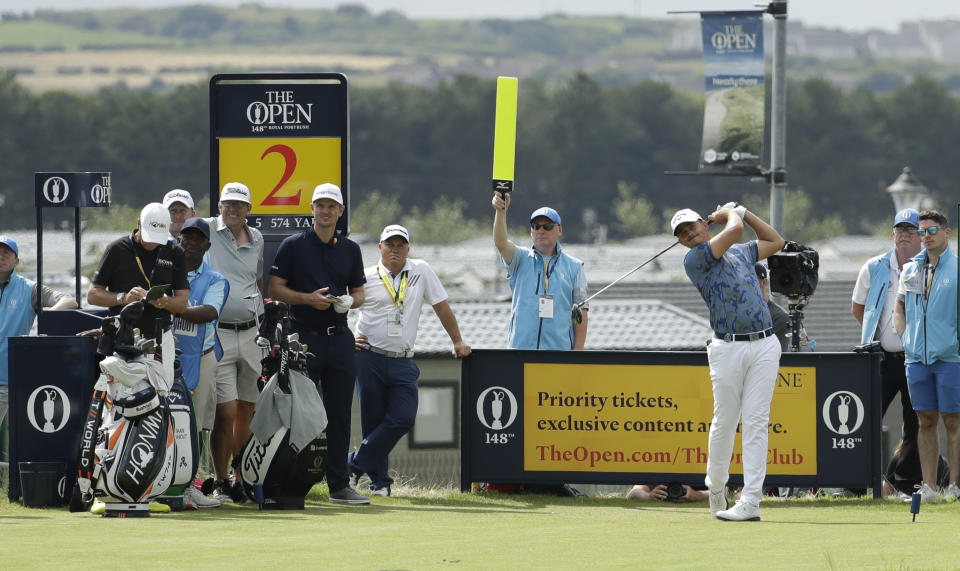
<point x="545" y="281"/>
<point x="874" y="298"/>
<point x="926" y="319"/>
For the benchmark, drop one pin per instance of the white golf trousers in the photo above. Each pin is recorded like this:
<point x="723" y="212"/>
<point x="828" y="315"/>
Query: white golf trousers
<point x="744" y="375"/>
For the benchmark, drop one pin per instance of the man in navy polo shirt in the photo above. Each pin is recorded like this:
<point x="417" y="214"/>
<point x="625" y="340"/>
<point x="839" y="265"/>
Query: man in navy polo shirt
<point x="320" y="274"/>
<point x="744" y="354"/>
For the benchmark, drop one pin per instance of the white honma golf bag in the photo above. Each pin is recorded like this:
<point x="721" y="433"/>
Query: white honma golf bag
<point x="136" y="447"/>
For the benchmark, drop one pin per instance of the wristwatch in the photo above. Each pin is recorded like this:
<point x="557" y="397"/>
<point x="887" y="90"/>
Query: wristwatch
<point x="120" y="297"/>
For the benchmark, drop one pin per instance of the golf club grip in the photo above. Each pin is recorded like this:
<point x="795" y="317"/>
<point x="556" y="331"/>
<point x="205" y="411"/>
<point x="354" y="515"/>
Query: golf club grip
<point x="616" y="281"/>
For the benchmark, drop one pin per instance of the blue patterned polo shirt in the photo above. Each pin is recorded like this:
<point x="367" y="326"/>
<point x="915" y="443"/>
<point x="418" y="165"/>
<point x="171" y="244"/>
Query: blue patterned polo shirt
<point x="730" y="288"/>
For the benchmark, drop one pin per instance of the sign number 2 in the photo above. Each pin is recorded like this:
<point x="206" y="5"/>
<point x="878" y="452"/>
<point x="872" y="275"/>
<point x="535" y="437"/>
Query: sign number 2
<point x="290" y="164"/>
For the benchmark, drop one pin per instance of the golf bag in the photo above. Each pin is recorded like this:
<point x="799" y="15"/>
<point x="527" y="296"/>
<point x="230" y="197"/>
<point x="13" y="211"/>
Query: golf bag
<point x="287" y="451"/>
<point x="127" y="445"/>
<point x="187" y="459"/>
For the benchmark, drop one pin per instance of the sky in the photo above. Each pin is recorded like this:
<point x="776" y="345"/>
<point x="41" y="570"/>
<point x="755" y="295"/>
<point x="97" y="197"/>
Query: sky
<point x="857" y="15"/>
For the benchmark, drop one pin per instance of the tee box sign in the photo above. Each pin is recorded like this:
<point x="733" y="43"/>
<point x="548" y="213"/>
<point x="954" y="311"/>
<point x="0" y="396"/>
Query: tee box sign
<point x="281" y="135"/>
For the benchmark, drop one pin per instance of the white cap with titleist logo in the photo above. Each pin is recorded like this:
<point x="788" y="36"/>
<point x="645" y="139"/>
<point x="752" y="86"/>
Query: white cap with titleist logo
<point x="395" y="230"/>
<point x="155" y="224"/>
<point x="177" y="195"/>
<point x="327" y="190"/>
<point x="685" y="215"/>
<point x="235" y="191"/>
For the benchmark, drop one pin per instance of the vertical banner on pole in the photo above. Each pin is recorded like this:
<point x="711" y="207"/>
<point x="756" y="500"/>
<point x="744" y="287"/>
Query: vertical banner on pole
<point x="505" y="134"/>
<point x="733" y="104"/>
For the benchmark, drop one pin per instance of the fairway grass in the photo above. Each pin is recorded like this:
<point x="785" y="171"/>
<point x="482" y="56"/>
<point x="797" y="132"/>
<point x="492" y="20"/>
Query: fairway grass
<point x="438" y="529"/>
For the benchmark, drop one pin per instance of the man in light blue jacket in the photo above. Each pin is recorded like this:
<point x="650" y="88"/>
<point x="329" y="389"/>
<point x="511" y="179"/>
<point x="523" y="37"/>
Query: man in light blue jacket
<point x="545" y="281"/>
<point x="926" y="319"/>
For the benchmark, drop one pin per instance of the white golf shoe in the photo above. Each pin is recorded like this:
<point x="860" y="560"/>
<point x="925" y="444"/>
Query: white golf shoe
<point x="741" y="511"/>
<point x="718" y="502"/>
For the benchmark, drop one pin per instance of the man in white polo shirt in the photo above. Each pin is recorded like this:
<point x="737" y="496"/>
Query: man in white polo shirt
<point x="386" y="330"/>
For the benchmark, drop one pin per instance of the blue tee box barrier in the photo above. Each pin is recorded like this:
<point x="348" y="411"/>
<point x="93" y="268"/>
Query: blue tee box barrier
<point x="51" y="382"/>
<point x="605" y="417"/>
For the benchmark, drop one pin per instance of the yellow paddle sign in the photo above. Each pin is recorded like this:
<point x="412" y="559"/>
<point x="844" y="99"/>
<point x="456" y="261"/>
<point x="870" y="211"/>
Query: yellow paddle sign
<point x="505" y="134"/>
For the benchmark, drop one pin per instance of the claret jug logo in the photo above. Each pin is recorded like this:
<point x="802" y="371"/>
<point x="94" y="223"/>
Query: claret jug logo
<point x="496" y="408"/>
<point x="56" y="189"/>
<point x="51" y="413"/>
<point x="843" y="412"/>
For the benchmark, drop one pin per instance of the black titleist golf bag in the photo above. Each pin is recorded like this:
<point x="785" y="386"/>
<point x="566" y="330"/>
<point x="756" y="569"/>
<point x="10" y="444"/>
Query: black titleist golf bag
<point x="127" y="445"/>
<point x="287" y="451"/>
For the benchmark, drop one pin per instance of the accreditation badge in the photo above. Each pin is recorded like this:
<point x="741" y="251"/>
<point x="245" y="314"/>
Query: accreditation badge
<point x="546" y="306"/>
<point x="394" y="327"/>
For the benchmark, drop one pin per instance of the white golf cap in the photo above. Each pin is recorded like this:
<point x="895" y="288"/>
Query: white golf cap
<point x="155" y="223"/>
<point x="177" y="195"/>
<point x="395" y="230"/>
<point x="235" y="191"/>
<point x="685" y="215"/>
<point x="327" y="190"/>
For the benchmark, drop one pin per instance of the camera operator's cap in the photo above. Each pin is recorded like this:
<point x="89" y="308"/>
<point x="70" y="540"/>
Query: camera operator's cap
<point x="328" y="190"/>
<point x="177" y="195"/>
<point x="235" y="191"/>
<point x="761" y="271"/>
<point x="908" y="215"/>
<point x="155" y="223"/>
<point x="682" y="216"/>
<point x="395" y="230"/>
<point x="197" y="223"/>
<point x="548" y="212"/>
<point x="10" y="243"/>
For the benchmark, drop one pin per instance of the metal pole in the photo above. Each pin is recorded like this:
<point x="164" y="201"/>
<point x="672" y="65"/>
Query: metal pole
<point x="778" y="114"/>
<point x="76" y="251"/>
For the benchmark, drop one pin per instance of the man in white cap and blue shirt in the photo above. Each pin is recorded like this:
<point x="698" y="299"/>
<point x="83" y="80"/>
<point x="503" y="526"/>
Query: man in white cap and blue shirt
<point x="236" y="252"/>
<point x="396" y="288"/>
<point x="319" y="272"/>
<point x="19" y="297"/>
<point x="744" y="354"/>
<point x="545" y="282"/>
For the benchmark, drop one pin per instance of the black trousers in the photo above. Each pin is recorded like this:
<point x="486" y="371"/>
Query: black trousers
<point x="335" y="371"/>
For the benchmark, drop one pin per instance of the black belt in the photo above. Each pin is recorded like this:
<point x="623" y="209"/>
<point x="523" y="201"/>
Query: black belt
<point x="895" y="354"/>
<point x="241" y="326"/>
<point x="329" y="331"/>
<point x="208" y="350"/>
<point x="746" y="336"/>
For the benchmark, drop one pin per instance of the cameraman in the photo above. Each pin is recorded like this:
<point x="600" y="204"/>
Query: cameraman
<point x="744" y="355"/>
<point x="672" y="492"/>
<point x="781" y="320"/>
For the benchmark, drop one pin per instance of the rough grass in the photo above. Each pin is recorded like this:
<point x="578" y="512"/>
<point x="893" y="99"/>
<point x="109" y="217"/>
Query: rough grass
<point x="433" y="528"/>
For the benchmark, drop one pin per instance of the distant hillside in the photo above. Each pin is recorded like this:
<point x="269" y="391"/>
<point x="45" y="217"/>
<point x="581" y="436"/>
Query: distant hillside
<point x="86" y="50"/>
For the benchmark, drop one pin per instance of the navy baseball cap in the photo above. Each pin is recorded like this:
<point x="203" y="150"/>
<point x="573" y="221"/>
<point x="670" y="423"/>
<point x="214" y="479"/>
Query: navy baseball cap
<point x="10" y="243"/>
<point x="548" y="212"/>
<point x="197" y="223"/>
<point x="908" y="215"/>
<point x="761" y="271"/>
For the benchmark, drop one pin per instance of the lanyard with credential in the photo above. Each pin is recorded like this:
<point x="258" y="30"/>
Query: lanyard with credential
<point x="547" y="271"/>
<point x="140" y="265"/>
<point x="395" y="294"/>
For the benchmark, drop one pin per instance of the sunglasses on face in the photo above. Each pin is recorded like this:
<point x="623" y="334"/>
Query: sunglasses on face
<point x="546" y="226"/>
<point x="909" y="230"/>
<point x="932" y="230"/>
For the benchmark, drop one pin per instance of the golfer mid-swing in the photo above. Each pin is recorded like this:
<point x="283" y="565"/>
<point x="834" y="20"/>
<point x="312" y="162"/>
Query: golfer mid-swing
<point x="744" y="354"/>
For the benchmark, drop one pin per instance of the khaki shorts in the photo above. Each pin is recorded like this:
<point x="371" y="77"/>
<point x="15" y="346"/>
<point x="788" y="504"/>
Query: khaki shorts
<point x="239" y="369"/>
<point x="204" y="396"/>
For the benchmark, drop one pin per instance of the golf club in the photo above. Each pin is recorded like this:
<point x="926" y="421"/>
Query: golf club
<point x="577" y="314"/>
